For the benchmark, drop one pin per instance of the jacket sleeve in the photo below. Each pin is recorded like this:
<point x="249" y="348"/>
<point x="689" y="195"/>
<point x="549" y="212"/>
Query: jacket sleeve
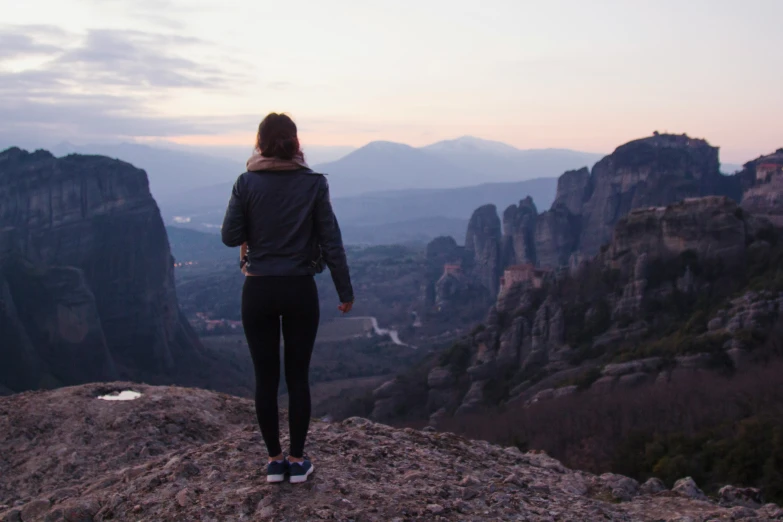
<point x="233" y="231"/>
<point x="331" y="242"/>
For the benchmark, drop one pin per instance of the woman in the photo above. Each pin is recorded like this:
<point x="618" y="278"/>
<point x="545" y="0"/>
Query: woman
<point x="281" y="213"/>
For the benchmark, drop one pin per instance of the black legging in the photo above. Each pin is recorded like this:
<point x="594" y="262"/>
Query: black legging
<point x="264" y="301"/>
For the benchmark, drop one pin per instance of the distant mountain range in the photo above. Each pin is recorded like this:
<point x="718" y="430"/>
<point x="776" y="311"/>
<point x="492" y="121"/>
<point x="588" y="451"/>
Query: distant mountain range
<point x="466" y="161"/>
<point x="378" y="166"/>
<point x="379" y="217"/>
<point x="314" y="154"/>
<point x="383" y="192"/>
<point x="169" y="171"/>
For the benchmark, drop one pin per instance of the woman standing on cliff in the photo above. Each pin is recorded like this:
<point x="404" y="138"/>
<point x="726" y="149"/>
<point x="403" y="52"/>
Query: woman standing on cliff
<point x="281" y="210"/>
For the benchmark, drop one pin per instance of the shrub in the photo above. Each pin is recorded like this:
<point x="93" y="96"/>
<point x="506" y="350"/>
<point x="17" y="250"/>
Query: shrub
<point x="457" y="357"/>
<point x="717" y="429"/>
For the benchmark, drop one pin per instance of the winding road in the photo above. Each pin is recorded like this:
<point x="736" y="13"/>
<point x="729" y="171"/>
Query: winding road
<point x="395" y="337"/>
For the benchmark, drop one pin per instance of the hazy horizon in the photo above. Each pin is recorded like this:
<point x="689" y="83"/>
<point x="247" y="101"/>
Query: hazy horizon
<point x="564" y="74"/>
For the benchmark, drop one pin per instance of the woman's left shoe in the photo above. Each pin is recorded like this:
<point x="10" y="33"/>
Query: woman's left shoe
<point x="275" y="471"/>
<point x="300" y="471"/>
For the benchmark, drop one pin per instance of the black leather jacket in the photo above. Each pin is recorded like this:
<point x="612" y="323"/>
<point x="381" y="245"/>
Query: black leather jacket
<point x="286" y="218"/>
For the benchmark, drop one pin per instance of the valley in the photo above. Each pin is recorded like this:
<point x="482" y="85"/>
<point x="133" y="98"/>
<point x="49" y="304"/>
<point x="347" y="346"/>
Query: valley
<point x="652" y="279"/>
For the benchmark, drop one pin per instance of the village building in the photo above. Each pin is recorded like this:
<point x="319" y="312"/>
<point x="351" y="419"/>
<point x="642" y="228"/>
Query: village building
<point x="766" y="171"/>
<point x="452" y="269"/>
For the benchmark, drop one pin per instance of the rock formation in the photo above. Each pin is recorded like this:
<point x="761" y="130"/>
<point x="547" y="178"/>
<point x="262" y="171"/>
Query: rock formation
<point x="482" y="245"/>
<point x="660" y="262"/>
<point x="654" y="171"/>
<point x="441" y="251"/>
<point x="711" y="227"/>
<point x="86" y="275"/>
<point x="453" y="292"/>
<point x="519" y="233"/>
<point x="197" y="455"/>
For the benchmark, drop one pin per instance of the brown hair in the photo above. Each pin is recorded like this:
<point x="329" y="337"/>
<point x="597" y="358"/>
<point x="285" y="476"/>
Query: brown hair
<point x="277" y="137"/>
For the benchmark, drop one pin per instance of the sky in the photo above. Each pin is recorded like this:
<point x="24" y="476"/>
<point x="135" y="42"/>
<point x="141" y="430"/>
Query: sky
<point x="561" y="73"/>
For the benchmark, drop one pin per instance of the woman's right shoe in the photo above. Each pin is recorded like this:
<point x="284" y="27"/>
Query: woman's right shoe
<point x="299" y="471"/>
<point x="275" y="471"/>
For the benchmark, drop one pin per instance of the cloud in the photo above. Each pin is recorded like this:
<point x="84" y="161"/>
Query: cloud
<point x="136" y="59"/>
<point x="112" y="57"/>
<point x="23" y="41"/>
<point x="100" y="83"/>
<point x="96" y="118"/>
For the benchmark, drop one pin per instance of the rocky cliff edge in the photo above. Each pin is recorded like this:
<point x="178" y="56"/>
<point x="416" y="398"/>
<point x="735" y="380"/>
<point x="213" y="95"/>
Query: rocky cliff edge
<point x="186" y="454"/>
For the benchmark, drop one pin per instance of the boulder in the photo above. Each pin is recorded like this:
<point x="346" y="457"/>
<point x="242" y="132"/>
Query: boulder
<point x="622" y="488"/>
<point x="473" y="400"/>
<point x="687" y="487"/>
<point x="649" y="365"/>
<point x="440" y="377"/>
<point x="695" y="361"/>
<point x="714" y="324"/>
<point x="604" y="384"/>
<point x="652" y="486"/>
<point x="387" y="389"/>
<point x="565" y="391"/>
<point x="735" y="496"/>
<point x="632" y="380"/>
<point x="543" y="395"/>
<point x="481" y="372"/>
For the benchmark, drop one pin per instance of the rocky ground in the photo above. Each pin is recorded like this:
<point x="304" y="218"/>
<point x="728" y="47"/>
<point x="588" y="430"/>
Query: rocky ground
<point x="185" y="454"/>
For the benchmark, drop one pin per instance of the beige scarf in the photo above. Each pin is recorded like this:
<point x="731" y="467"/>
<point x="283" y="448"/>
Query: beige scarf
<point x="258" y="162"/>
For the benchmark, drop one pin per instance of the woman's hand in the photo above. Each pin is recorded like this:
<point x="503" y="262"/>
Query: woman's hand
<point x="345" y="307"/>
<point x="243" y="258"/>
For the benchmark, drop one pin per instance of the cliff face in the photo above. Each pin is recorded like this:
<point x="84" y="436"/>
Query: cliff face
<point x="713" y="227"/>
<point x="483" y="246"/>
<point x="652" y="172"/>
<point x="655" y="171"/>
<point x="666" y="269"/>
<point x="519" y="231"/>
<point x="197" y="455"/>
<point x="88" y="289"/>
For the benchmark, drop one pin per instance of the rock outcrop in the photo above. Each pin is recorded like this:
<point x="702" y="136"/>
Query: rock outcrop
<point x="519" y="233"/>
<point x="86" y="275"/>
<point x="710" y="228"/>
<point x="483" y="246"/>
<point x="187" y="454"/>
<point x="656" y="171"/>
<point x="660" y="261"/>
<point x="453" y="289"/>
<point x="651" y="172"/>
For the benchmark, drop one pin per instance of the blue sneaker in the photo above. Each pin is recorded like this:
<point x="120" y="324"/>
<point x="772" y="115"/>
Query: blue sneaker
<point x="300" y="471"/>
<point x="275" y="471"/>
